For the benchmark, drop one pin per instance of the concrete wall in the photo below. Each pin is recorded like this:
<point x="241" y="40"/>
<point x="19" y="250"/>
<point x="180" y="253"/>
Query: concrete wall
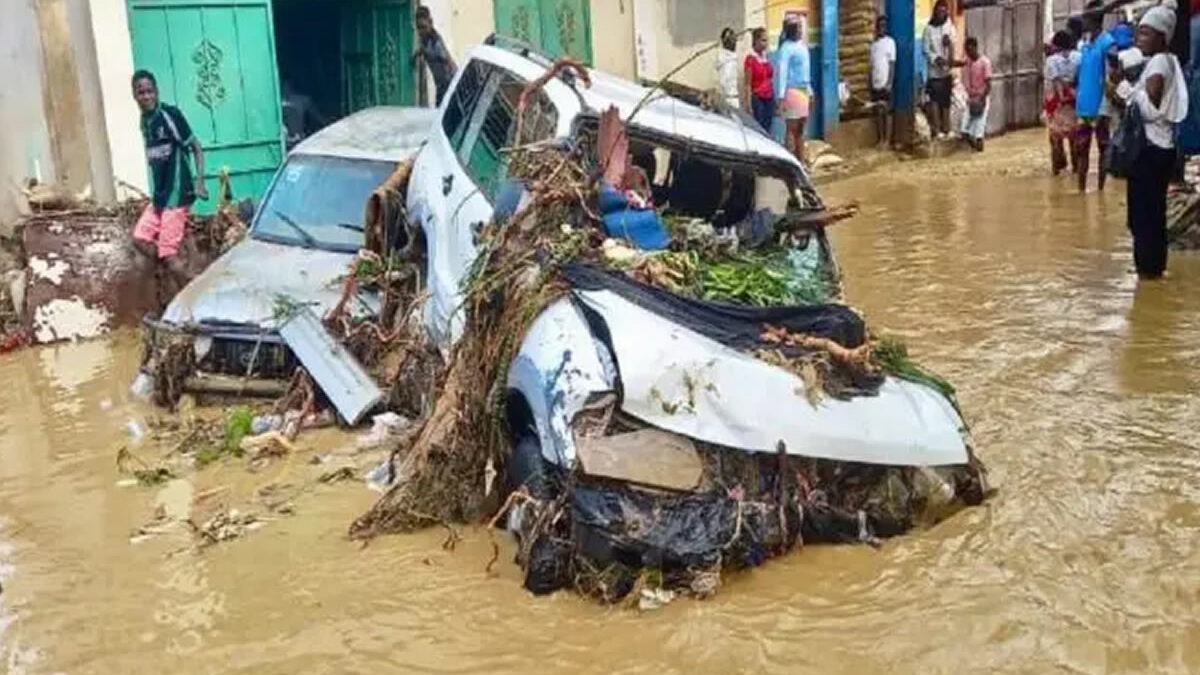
<point x="114" y="56"/>
<point x="25" y="149"/>
<point x="669" y="32"/>
<point x="613" y="37"/>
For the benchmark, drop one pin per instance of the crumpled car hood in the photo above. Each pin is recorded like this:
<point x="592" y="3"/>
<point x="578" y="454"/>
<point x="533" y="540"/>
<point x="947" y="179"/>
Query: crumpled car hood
<point x="244" y="285"/>
<point x="684" y="382"/>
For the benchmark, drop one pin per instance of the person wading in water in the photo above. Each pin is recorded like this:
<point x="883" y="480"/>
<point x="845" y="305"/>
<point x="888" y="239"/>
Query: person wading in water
<point x="1162" y="99"/>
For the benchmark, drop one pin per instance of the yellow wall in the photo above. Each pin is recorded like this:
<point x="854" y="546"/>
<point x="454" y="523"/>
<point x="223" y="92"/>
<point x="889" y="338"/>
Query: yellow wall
<point x="651" y="26"/>
<point x="612" y="37"/>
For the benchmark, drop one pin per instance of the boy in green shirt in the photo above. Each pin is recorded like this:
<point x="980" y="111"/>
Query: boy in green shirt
<point x="174" y="187"/>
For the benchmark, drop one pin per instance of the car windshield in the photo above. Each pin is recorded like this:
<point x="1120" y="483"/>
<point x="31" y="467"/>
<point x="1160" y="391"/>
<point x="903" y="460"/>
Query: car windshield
<point x="318" y="201"/>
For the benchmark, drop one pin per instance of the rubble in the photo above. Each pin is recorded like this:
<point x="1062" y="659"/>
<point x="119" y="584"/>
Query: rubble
<point x="1183" y="209"/>
<point x="72" y="272"/>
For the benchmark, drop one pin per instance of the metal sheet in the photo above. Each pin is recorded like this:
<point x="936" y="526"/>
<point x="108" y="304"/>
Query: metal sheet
<point x="348" y="386"/>
<point x="681" y="381"/>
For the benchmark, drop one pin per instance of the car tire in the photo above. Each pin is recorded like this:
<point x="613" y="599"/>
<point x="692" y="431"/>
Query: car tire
<point x="528" y="468"/>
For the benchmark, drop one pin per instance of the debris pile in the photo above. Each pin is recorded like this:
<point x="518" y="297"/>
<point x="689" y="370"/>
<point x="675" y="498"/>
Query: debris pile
<point x="1183" y="209"/>
<point x="76" y="273"/>
<point x="617" y="539"/>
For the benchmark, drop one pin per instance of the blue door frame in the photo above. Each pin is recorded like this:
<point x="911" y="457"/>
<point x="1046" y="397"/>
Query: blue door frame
<point x="829" y="104"/>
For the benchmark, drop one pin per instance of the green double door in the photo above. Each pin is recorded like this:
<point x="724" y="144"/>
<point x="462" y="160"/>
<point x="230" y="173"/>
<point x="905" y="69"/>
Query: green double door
<point x="377" y="47"/>
<point x="557" y="27"/>
<point x="215" y="60"/>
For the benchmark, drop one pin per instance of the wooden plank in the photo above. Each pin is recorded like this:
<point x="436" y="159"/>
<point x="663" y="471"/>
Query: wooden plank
<point x="648" y="457"/>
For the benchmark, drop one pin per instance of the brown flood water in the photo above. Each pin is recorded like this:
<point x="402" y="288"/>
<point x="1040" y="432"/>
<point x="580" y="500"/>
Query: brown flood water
<point x="1080" y="385"/>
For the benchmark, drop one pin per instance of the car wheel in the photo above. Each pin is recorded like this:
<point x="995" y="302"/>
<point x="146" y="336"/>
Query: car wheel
<point x="528" y="468"/>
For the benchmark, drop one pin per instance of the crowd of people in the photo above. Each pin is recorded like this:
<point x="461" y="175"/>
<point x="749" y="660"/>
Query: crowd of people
<point x="1125" y="77"/>
<point x="771" y="84"/>
<point x="775" y="86"/>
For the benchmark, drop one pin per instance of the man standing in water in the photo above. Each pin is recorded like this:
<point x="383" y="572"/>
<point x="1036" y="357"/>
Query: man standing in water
<point x="977" y="80"/>
<point x="938" y="46"/>
<point x="1090" y="108"/>
<point x="432" y="49"/>
<point x="883" y="74"/>
<point x="174" y="187"/>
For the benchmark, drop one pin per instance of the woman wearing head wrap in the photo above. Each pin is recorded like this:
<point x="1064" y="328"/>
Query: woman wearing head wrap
<point x="1161" y="97"/>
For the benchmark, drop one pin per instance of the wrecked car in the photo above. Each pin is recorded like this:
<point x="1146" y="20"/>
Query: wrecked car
<point x="302" y="240"/>
<point x="616" y="319"/>
<point x="656" y="402"/>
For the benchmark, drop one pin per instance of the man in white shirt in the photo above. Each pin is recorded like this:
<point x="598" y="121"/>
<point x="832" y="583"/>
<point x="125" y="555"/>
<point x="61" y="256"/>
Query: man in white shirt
<point x="727" y="67"/>
<point x="883" y="76"/>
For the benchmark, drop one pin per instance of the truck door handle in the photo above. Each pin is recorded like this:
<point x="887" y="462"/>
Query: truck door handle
<point x="447" y="184"/>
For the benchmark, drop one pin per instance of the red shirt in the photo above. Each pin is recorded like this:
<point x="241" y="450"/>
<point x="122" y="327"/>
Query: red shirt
<point x="976" y="75"/>
<point x="761" y="71"/>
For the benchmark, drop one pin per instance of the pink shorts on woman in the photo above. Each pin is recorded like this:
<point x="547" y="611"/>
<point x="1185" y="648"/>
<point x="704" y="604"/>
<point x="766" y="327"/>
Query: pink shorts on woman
<point x="165" y="227"/>
<point x="796" y="103"/>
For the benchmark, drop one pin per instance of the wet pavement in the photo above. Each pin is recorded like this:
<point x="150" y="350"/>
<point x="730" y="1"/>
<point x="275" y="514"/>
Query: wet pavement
<point x="1080" y="385"/>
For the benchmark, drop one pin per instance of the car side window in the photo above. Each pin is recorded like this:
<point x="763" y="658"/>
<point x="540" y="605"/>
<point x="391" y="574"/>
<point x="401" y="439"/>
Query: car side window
<point x="462" y="102"/>
<point x="483" y="153"/>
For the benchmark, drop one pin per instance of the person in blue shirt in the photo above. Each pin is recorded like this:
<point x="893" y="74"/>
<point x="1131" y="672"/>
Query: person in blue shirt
<point x="793" y="87"/>
<point x="1091" y="105"/>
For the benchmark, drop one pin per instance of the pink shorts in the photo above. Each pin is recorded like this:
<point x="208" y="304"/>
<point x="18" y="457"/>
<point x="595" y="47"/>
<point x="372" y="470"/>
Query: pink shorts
<point x="795" y="104"/>
<point x="166" y="228"/>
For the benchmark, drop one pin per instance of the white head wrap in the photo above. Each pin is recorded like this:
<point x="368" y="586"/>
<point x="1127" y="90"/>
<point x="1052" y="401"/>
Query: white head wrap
<point x="1161" y="18"/>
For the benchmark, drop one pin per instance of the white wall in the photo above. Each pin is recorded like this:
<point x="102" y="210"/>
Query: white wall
<point x="658" y="52"/>
<point x="87" y="73"/>
<point x="25" y="149"/>
<point x="114" y="59"/>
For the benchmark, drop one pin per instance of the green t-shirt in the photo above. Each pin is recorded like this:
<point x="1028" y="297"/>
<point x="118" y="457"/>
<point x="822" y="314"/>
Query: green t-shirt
<point x="168" y="138"/>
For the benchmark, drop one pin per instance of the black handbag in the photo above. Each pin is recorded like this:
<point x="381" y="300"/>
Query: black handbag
<point x="1127" y="143"/>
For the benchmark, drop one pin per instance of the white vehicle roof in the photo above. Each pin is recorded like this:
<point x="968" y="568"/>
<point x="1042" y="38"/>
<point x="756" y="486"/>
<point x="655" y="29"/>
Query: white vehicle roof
<point x="385" y="133"/>
<point x="679" y="118"/>
<point x="662" y="113"/>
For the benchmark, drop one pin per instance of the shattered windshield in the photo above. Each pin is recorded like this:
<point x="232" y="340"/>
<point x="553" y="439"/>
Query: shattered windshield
<point x="318" y="201"/>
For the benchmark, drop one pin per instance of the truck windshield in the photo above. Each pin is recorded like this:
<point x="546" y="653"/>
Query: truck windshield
<point x="322" y="197"/>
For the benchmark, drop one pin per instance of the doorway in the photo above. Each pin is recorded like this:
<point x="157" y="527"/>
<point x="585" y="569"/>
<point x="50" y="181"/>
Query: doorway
<point x="223" y="63"/>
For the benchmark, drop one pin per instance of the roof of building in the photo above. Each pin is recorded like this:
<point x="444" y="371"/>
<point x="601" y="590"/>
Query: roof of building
<point x="385" y="133"/>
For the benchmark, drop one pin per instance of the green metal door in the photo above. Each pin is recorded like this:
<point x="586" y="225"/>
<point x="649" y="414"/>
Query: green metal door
<point x="215" y="60"/>
<point x="567" y="28"/>
<point x="377" y="49"/>
<point x="557" y="27"/>
<point x="520" y="19"/>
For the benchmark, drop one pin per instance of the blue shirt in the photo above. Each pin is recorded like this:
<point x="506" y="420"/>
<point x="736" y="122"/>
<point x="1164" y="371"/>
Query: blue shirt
<point x="1089" y="92"/>
<point x="791" y="68"/>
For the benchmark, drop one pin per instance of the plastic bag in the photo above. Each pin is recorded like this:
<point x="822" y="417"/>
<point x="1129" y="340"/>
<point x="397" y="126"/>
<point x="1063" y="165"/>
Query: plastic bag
<point x="1126" y="144"/>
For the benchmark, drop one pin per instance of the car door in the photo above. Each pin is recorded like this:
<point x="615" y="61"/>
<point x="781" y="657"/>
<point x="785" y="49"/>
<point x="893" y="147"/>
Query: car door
<point x="478" y="120"/>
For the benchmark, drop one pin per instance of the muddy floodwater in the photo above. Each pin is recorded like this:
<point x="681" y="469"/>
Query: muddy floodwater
<point x="1082" y="388"/>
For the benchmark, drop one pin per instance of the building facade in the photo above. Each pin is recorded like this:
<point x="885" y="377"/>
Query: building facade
<point x="67" y="116"/>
